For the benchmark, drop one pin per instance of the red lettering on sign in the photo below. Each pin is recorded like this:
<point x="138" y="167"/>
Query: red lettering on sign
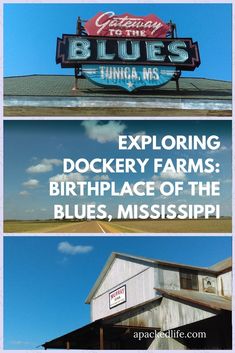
<point x="126" y="25"/>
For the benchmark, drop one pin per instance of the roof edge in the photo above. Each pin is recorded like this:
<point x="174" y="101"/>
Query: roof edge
<point x="61" y="75"/>
<point x="100" y="277"/>
<point x="141" y="258"/>
<point x="169" y="295"/>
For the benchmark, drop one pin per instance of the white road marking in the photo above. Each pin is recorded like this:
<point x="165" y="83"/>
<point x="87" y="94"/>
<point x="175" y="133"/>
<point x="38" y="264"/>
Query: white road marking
<point x="101" y="227"/>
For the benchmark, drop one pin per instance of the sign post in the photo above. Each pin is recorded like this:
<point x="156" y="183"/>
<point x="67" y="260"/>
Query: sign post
<point x="80" y="31"/>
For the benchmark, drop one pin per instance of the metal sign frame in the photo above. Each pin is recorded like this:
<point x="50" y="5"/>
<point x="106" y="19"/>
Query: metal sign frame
<point x="114" y="306"/>
<point x="62" y="55"/>
<point x="80" y="31"/>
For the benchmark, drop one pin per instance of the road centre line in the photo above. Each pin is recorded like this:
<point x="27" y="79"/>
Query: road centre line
<point x="101" y="228"/>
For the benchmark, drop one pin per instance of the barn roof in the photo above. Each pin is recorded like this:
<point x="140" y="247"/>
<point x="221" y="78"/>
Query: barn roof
<point x="209" y="301"/>
<point x="86" y="336"/>
<point x="222" y="265"/>
<point x="114" y="255"/>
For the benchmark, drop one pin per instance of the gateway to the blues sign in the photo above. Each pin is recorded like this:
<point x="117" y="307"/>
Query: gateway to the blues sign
<point x="127" y="51"/>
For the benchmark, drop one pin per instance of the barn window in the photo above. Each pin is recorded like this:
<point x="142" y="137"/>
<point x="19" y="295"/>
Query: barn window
<point x="188" y="280"/>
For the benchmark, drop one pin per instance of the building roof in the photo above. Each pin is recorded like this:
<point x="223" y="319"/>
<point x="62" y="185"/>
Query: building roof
<point x="114" y="255"/>
<point x="88" y="337"/>
<point x="209" y="301"/>
<point x="60" y="85"/>
<point x="57" y="91"/>
<point x="223" y="265"/>
<point x="87" y="332"/>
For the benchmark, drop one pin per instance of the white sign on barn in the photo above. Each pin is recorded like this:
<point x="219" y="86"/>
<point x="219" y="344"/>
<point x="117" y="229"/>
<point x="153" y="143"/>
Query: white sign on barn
<point x="118" y="296"/>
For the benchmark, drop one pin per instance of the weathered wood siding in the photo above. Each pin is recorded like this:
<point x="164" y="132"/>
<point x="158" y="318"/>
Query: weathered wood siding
<point x="120" y="271"/>
<point x="166" y="343"/>
<point x="175" y="314"/>
<point x="167" y="277"/>
<point x="139" y="280"/>
<point x="224" y="283"/>
<point x="144" y="316"/>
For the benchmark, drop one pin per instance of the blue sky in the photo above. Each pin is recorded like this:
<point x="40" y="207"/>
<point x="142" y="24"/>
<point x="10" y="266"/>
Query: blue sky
<point x="34" y="150"/>
<point x="45" y="288"/>
<point x="30" y="32"/>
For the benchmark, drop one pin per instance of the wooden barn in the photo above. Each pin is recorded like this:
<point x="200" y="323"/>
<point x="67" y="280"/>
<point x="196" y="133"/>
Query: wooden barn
<point x="143" y="303"/>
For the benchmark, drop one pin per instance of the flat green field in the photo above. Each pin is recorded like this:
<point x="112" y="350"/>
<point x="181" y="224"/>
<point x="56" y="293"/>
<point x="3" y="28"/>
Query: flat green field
<point x="223" y="225"/>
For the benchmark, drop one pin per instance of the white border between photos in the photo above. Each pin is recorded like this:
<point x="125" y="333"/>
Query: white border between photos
<point x="106" y="118"/>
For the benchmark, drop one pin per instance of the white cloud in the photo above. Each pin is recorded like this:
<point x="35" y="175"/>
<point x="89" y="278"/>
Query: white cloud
<point x="103" y="132"/>
<point x="66" y="248"/>
<point x="227" y="181"/>
<point x="168" y="175"/>
<point x="31" y="210"/>
<point x="101" y="177"/>
<point x="140" y="133"/>
<point x="43" y="209"/>
<point x="204" y="174"/>
<point x="181" y="201"/>
<point x="91" y="203"/>
<point x="221" y="149"/>
<point x="190" y="190"/>
<point x="186" y="192"/>
<point x="22" y="343"/>
<point x="24" y="193"/>
<point x="68" y="177"/>
<point x="163" y="197"/>
<point x="173" y="175"/>
<point x="31" y="183"/>
<point x="141" y="188"/>
<point x="155" y="178"/>
<point x="46" y="165"/>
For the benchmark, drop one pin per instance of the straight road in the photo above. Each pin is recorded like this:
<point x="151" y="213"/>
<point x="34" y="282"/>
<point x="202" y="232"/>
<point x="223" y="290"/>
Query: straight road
<point x="78" y="227"/>
<point x="174" y="226"/>
<point x="160" y="226"/>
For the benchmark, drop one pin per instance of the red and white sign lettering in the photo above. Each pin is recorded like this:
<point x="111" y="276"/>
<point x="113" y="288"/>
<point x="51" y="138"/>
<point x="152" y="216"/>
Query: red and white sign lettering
<point x="117" y="297"/>
<point x="126" y="25"/>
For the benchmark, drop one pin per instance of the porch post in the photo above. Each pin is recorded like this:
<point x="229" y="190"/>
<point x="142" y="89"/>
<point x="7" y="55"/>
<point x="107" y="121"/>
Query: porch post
<point x="101" y="338"/>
